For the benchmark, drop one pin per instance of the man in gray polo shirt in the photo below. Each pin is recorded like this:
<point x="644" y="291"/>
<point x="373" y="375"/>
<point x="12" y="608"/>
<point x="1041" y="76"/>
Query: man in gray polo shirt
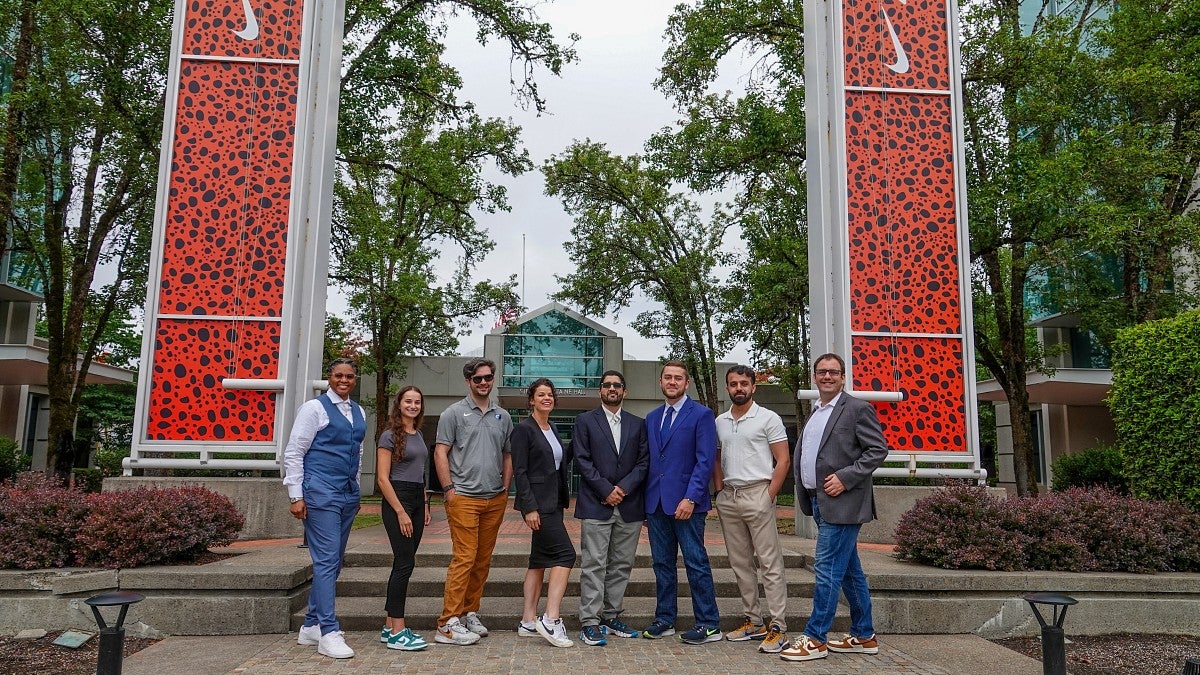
<point x="474" y="466"/>
<point x="755" y="460"/>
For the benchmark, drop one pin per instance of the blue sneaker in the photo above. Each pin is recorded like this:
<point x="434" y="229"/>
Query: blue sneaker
<point x="699" y="635"/>
<point x="593" y="635"/>
<point x="658" y="629"/>
<point x="618" y="628"/>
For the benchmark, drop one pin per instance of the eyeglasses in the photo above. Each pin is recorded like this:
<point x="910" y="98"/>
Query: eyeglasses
<point x="480" y="379"/>
<point x="827" y="371"/>
<point x="611" y="385"/>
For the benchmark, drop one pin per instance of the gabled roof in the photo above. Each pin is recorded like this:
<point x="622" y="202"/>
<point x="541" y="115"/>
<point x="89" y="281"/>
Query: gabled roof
<point x="562" y="309"/>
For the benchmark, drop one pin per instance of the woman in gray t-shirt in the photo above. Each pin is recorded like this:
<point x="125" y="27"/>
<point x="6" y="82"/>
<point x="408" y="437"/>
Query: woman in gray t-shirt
<point x="401" y="459"/>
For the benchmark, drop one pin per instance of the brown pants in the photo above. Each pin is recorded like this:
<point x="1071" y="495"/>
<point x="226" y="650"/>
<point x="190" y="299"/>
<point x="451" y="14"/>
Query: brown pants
<point x="474" y="524"/>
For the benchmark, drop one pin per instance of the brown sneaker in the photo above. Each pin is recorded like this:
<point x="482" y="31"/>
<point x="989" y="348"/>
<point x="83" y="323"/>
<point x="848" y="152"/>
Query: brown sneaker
<point x="853" y="645"/>
<point x="804" y="648"/>
<point x="775" y="640"/>
<point x="747" y="631"/>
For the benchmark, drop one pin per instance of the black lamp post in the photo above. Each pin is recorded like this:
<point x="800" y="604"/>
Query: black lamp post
<point x="112" y="638"/>
<point x="1054" y="645"/>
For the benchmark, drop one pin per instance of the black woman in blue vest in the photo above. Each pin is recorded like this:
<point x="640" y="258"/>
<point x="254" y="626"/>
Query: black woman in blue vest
<point x="322" y="465"/>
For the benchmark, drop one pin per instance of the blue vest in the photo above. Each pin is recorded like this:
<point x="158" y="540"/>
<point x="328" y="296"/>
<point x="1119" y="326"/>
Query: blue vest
<point x="333" y="456"/>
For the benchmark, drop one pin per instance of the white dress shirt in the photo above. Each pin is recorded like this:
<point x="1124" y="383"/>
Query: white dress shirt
<point x="810" y="441"/>
<point x="310" y="419"/>
<point x="614" y="424"/>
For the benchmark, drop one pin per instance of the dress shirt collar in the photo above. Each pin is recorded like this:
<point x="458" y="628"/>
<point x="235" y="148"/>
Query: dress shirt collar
<point x="337" y="400"/>
<point x="678" y="405"/>
<point x="817" y="404"/>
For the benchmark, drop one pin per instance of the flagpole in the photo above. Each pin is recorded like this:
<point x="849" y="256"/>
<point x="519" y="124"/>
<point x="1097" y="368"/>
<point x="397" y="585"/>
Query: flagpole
<point x="522" y="269"/>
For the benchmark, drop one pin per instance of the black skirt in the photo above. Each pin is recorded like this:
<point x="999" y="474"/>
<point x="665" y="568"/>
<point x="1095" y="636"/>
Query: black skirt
<point x="551" y="545"/>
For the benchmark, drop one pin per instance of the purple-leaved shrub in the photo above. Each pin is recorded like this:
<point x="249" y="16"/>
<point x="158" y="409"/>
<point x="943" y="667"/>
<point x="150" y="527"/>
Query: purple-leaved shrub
<point x="149" y="525"/>
<point x="38" y="521"/>
<point x="1078" y="530"/>
<point x="960" y="527"/>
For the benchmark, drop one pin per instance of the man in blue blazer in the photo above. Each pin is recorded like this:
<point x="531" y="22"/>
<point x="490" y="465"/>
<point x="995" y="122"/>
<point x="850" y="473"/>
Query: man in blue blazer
<point x="611" y="452"/>
<point x="683" y="447"/>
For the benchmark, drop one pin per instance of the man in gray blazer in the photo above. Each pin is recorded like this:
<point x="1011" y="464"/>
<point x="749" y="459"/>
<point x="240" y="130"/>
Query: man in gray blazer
<point x="840" y="447"/>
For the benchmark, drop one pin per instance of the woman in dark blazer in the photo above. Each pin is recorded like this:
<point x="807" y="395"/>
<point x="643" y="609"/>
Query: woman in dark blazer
<point x="541" y="467"/>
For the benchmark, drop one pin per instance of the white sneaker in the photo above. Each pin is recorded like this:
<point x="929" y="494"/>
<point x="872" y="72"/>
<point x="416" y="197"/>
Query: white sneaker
<point x="475" y="625"/>
<point x="309" y="636"/>
<point x="334" y="645"/>
<point x="454" y="633"/>
<point x="524" y="630"/>
<point x="555" y="633"/>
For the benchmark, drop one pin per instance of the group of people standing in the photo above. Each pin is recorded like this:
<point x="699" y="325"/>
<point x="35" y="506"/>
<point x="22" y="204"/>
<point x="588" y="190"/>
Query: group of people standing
<point x="661" y="471"/>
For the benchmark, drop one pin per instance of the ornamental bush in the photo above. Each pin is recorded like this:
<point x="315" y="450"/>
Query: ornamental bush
<point x="45" y="524"/>
<point x="961" y="527"/>
<point x="150" y="525"/>
<point x="1155" y="401"/>
<point x="12" y="460"/>
<point x="1076" y="530"/>
<point x="39" y="518"/>
<point x="1100" y="467"/>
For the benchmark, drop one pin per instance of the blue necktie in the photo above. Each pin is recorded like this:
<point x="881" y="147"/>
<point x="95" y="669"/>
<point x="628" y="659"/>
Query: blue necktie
<point x="670" y="419"/>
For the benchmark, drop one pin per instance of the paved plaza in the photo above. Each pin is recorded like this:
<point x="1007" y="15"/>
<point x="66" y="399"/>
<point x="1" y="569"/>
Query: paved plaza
<point x="504" y="652"/>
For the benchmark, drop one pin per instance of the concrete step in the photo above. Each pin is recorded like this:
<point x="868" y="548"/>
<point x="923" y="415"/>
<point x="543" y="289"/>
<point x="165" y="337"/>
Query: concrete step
<point x="507" y="582"/>
<point x="380" y="555"/>
<point x="503" y="613"/>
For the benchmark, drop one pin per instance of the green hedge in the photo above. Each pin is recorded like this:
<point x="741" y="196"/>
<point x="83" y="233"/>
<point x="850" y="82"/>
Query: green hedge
<point x="1155" y="401"/>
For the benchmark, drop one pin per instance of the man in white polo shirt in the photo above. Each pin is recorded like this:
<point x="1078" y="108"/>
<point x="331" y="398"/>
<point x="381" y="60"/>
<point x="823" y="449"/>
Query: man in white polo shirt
<point x="755" y="461"/>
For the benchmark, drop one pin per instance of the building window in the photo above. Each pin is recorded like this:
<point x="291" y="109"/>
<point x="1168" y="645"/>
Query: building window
<point x="556" y="346"/>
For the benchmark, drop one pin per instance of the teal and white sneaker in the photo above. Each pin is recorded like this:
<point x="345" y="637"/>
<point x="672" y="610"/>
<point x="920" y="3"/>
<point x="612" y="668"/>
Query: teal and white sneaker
<point x="406" y="641"/>
<point x="385" y="634"/>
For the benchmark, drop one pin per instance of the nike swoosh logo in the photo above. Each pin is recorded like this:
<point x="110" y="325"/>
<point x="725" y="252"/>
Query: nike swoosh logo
<point x="251" y="30"/>
<point x="901" y="65"/>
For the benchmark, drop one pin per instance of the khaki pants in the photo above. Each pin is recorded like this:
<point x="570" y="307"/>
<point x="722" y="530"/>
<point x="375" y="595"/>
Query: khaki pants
<point x="748" y="521"/>
<point x="474" y="523"/>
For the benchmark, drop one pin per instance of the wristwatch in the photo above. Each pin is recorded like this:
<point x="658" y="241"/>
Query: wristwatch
<point x="293" y="500"/>
<point x="690" y="500"/>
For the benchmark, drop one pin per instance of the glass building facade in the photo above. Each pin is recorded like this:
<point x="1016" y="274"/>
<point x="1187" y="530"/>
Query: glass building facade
<point x="556" y="346"/>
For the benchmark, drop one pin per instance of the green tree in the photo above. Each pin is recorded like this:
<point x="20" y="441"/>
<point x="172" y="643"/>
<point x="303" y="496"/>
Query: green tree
<point x="753" y="144"/>
<point x="627" y="219"/>
<point x="394" y="222"/>
<point x="1025" y="97"/>
<point x="91" y="116"/>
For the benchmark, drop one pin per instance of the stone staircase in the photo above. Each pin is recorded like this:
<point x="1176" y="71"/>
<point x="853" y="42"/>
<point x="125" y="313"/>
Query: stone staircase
<point x="362" y="587"/>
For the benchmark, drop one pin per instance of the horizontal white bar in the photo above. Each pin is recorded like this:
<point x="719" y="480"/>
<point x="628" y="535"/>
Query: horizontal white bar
<point x="873" y="396"/>
<point x="898" y="90"/>
<point x="251" y="384"/>
<point x="206" y="317"/>
<point x="181" y="463"/>
<point x="929" y="472"/>
<point x="885" y="334"/>
<point x="237" y="59"/>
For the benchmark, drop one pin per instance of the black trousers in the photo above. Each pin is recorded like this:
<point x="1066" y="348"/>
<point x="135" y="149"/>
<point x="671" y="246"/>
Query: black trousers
<point x="404" y="549"/>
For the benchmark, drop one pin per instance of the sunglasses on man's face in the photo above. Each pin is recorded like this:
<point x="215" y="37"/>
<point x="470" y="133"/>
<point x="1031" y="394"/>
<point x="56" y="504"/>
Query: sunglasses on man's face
<point x="611" y="385"/>
<point x="480" y="379"/>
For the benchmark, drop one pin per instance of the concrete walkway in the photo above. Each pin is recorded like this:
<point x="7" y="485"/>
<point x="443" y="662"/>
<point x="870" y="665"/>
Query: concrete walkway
<point x="504" y="652"/>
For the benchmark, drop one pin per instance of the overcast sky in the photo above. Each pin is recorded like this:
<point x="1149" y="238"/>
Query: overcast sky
<point x="606" y="96"/>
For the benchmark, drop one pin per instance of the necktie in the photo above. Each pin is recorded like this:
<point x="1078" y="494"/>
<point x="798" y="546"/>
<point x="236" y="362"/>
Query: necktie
<point x="614" y="425"/>
<point x="670" y="419"/>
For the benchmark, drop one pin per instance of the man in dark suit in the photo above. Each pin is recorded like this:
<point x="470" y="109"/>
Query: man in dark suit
<point x="683" y="450"/>
<point x="839" y="449"/>
<point x="612" y="456"/>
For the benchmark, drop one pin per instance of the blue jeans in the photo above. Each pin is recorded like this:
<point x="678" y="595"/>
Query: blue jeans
<point x="838" y="570"/>
<point x="667" y="537"/>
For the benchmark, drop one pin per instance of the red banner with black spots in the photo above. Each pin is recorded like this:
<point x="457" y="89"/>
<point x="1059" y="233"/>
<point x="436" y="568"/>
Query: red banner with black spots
<point x="905" y="285"/>
<point x="221" y="268"/>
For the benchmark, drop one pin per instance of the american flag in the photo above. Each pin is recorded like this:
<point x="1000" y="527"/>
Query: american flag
<point x="506" y="317"/>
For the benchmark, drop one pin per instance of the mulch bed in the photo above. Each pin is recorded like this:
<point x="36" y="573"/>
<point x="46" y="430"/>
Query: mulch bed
<point x="27" y="657"/>
<point x="1118" y="654"/>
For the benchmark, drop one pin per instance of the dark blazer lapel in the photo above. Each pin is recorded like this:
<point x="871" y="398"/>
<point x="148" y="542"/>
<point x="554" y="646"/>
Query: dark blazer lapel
<point x="626" y="430"/>
<point x="605" y="429"/>
<point x="539" y="440"/>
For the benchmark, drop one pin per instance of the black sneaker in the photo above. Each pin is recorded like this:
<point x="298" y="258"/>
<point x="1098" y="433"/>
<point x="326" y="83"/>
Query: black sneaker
<point x="618" y="628"/>
<point x="593" y="635"/>
<point x="699" y="635"/>
<point x="658" y="629"/>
